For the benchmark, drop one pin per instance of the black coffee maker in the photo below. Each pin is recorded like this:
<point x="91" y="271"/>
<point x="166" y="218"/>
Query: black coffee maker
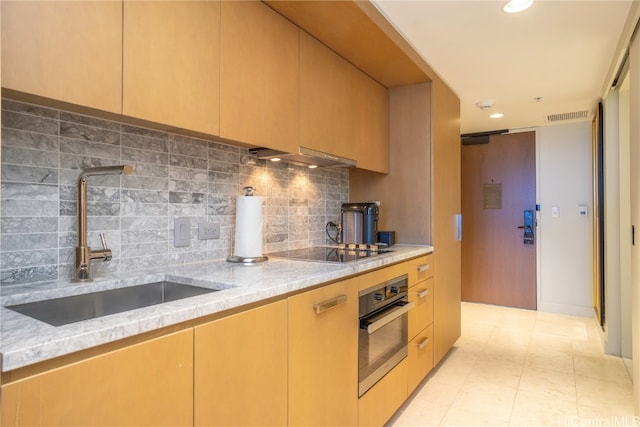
<point x="359" y="223"/>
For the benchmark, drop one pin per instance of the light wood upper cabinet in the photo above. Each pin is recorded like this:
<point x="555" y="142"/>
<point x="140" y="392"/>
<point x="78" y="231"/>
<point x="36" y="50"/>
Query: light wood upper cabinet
<point x="372" y="124"/>
<point x="323" y="356"/>
<point x="171" y="63"/>
<point x="259" y="76"/>
<point x="147" y="384"/>
<point x="64" y="50"/>
<point x="342" y="110"/>
<point x="241" y="369"/>
<point x="327" y="100"/>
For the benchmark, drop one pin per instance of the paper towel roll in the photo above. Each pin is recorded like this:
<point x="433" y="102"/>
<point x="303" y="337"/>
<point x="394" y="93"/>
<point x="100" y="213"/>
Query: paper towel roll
<point x="248" y="227"/>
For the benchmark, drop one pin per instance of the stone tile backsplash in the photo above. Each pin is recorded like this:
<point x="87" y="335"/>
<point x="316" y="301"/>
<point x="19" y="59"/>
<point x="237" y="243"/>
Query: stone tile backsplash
<point x="44" y="150"/>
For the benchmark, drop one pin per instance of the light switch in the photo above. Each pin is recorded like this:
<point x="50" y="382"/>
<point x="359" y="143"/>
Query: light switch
<point x="181" y="232"/>
<point x="555" y="211"/>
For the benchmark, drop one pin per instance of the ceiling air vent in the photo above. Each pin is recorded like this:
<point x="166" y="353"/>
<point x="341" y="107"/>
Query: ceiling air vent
<point x="576" y="115"/>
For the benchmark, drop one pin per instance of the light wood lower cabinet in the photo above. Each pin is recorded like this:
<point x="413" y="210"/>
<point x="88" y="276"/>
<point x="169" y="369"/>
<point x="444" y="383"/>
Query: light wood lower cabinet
<point x="147" y="384"/>
<point x="421" y="268"/>
<point x="240" y="374"/>
<point x="422" y="314"/>
<point x="382" y="400"/>
<point x="69" y="51"/>
<point x="420" y="358"/>
<point x="290" y="362"/>
<point x="323" y="356"/>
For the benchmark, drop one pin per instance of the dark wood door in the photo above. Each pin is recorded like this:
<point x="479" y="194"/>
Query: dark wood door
<point x="498" y="185"/>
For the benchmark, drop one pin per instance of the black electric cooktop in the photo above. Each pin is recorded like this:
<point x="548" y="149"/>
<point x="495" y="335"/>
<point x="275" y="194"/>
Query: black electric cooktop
<point x="330" y="253"/>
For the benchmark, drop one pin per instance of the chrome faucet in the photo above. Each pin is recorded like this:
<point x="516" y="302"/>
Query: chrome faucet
<point x="84" y="254"/>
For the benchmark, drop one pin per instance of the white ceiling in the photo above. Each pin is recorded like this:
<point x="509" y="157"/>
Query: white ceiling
<point x="558" y="50"/>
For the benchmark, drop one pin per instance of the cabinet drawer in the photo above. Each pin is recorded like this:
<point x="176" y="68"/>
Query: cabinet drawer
<point x="420" y="269"/>
<point x="383" y="399"/>
<point x="420" y="358"/>
<point x="421" y="315"/>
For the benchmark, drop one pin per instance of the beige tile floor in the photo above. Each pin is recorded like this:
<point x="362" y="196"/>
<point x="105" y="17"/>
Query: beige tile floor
<point x="516" y="367"/>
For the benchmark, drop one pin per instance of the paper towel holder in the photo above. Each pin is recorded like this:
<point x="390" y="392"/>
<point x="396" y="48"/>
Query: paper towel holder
<point x="243" y="260"/>
<point x="248" y="191"/>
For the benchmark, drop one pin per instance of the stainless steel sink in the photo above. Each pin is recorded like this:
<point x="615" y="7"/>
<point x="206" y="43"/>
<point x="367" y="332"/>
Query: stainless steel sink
<point x="65" y="310"/>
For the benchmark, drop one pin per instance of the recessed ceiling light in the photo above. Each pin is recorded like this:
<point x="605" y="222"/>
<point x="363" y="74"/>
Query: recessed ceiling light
<point x="496" y="115"/>
<point x="515" y="6"/>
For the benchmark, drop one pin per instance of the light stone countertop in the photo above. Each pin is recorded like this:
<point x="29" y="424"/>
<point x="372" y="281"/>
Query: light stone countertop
<point x="24" y="340"/>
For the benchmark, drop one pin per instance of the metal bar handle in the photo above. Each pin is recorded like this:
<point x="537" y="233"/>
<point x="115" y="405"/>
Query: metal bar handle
<point x="422" y="343"/>
<point x="323" y="306"/>
<point x="390" y="317"/>
<point x="423" y="268"/>
<point x="423" y="293"/>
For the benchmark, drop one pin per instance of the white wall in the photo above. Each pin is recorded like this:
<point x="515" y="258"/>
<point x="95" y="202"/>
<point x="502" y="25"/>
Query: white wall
<point x="565" y="242"/>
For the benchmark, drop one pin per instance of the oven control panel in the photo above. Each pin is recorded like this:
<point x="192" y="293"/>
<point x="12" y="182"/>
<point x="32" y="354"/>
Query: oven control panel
<point x="383" y="294"/>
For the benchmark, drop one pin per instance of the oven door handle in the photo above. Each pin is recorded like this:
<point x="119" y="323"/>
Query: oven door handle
<point x="376" y="322"/>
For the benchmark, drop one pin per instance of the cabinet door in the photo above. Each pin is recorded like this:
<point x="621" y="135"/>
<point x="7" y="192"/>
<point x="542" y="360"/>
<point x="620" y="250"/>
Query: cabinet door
<point x="171" y="63"/>
<point x="241" y="369"/>
<point x="446" y="204"/>
<point x="148" y="384"/>
<point x="258" y="76"/>
<point x="64" y="50"/>
<point x="323" y="356"/>
<point x="327" y="99"/>
<point x="372" y="124"/>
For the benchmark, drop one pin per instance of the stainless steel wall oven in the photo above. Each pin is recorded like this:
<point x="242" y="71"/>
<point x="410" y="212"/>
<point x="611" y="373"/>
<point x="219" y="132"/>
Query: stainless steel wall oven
<point x="383" y="336"/>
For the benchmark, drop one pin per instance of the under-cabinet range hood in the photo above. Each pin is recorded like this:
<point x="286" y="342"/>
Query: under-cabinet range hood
<point x="305" y="157"/>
